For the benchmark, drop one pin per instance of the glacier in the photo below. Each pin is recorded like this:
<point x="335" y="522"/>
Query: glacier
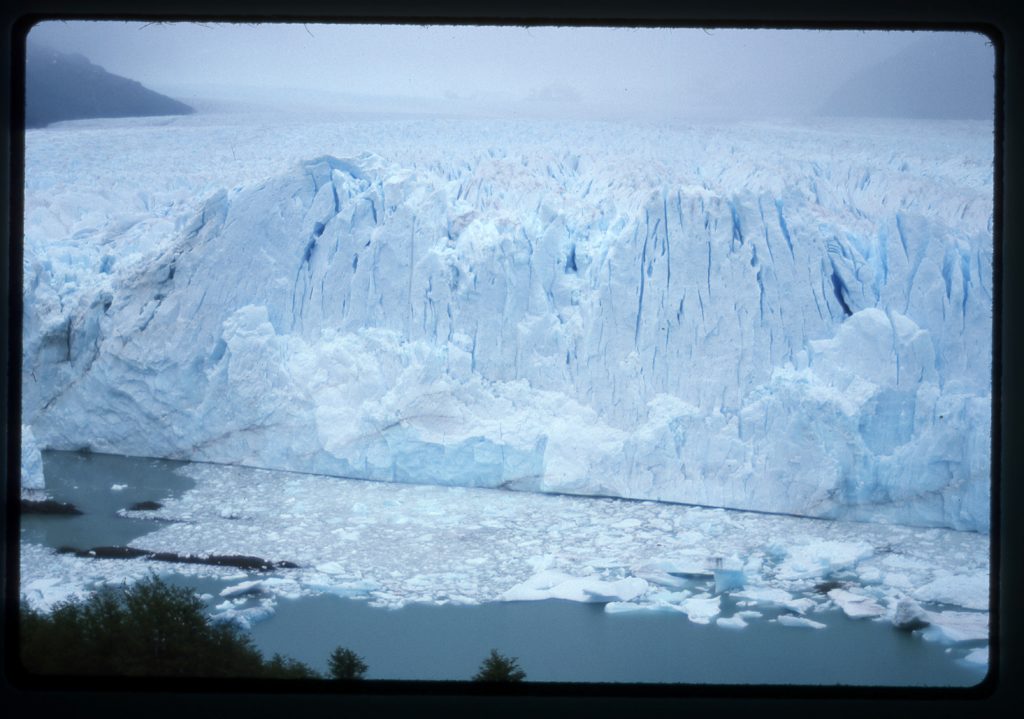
<point x="791" y="318"/>
<point x="33" y="484"/>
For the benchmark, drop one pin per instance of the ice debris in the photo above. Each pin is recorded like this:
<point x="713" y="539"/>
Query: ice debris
<point x="380" y="541"/>
<point x="556" y="585"/>
<point x="955" y="626"/>
<point x="856" y="606"/>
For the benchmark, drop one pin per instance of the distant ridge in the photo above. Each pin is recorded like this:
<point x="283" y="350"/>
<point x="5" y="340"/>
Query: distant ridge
<point x="938" y="77"/>
<point x="60" y="86"/>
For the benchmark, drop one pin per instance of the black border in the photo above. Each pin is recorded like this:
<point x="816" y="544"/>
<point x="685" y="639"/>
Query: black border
<point x="995" y="694"/>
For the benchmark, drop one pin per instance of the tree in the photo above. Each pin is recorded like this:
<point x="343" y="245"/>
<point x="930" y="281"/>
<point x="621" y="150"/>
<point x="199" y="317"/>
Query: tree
<point x="498" y="668"/>
<point x="151" y="629"/>
<point x="346" y="664"/>
<point x="280" y="667"/>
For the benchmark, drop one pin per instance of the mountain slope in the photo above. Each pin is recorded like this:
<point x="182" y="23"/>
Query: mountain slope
<point x="59" y="87"/>
<point x="937" y="77"/>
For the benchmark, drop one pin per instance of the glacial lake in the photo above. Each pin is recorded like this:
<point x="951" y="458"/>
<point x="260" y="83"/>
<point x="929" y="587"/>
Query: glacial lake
<point x="553" y="640"/>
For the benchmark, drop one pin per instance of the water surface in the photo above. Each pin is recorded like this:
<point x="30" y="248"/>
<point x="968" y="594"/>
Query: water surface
<point x="553" y="640"/>
<point x="573" y="642"/>
<point x="100" y="485"/>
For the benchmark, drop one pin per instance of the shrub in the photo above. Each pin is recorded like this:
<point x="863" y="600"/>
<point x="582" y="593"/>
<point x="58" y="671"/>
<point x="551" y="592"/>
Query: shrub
<point x="498" y="668"/>
<point x="154" y="629"/>
<point x="346" y="664"/>
<point x="150" y="628"/>
<point x="280" y="667"/>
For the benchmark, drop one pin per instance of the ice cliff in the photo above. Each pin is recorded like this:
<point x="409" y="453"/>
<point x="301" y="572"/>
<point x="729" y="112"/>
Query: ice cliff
<point x="32" y="482"/>
<point x="813" y="338"/>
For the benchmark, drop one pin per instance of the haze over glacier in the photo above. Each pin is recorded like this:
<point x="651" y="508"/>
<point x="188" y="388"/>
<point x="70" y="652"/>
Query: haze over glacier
<point x="787" y="317"/>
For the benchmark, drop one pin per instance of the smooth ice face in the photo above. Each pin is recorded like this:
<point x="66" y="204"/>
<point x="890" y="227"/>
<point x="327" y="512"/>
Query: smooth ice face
<point x="32" y="481"/>
<point x="725" y="316"/>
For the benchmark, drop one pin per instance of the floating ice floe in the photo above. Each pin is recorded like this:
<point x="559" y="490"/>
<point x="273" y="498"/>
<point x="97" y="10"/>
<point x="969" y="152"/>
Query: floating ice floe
<point x="342" y="588"/>
<point x="964" y="590"/>
<point x="733" y="622"/>
<point x="663" y="579"/>
<point x="954" y="626"/>
<point x="556" y="585"/>
<point x="665" y="597"/>
<point x="287" y="588"/>
<point x="791" y="620"/>
<point x="763" y="594"/>
<point x="686" y="565"/>
<point x="729" y="575"/>
<point x="810" y="558"/>
<point x="253" y="588"/>
<point x="700" y="609"/>
<point x="776" y="596"/>
<point x="47" y="592"/>
<point x="632" y="607"/>
<point x="244" y="617"/>
<point x="977" y="656"/>
<point x="856" y="606"/>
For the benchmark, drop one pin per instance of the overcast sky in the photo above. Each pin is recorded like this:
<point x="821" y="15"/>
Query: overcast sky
<point x="605" y="70"/>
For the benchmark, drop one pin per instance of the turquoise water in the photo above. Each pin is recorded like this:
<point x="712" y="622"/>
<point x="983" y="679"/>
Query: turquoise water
<point x="573" y="642"/>
<point x="553" y="640"/>
<point x="87" y="481"/>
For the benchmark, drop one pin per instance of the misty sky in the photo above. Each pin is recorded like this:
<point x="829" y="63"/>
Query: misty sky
<point x="624" y="71"/>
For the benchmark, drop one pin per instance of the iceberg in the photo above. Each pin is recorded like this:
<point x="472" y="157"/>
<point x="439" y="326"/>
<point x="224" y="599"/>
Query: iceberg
<point x="814" y="339"/>
<point x="729" y="574"/>
<point x="909" y="615"/>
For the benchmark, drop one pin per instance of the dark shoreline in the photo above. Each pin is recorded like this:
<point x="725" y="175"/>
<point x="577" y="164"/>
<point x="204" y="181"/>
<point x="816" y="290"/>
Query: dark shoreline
<point x="240" y="561"/>
<point x="48" y="506"/>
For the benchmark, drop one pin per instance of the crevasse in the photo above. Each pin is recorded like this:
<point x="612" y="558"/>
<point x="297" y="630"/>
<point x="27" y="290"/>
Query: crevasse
<point x="491" y="324"/>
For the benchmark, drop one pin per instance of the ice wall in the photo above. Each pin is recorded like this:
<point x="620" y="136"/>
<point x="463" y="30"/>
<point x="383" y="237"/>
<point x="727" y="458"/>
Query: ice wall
<point x="32" y="481"/>
<point x="812" y="338"/>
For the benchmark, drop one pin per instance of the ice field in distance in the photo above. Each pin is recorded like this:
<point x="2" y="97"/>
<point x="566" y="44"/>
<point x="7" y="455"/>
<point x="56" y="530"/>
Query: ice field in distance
<point x="782" y="317"/>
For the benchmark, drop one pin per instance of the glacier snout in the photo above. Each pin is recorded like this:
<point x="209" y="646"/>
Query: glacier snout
<point x="499" y="325"/>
